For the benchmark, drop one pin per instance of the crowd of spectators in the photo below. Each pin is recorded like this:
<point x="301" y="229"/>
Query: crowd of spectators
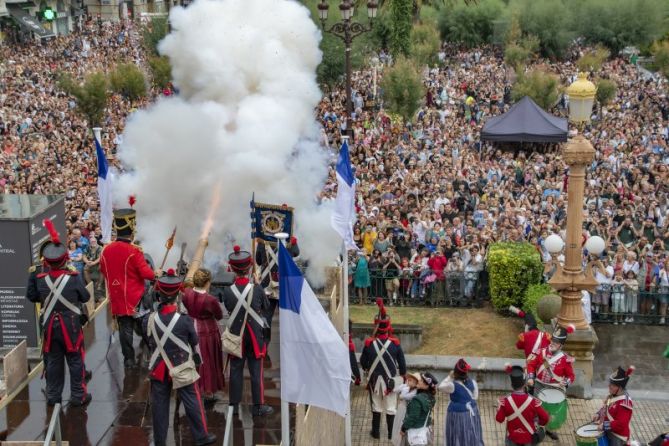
<point x="45" y="146"/>
<point x="431" y="197"/>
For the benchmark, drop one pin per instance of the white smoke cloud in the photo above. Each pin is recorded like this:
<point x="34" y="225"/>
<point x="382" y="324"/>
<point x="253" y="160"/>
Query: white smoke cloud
<point x="243" y="120"/>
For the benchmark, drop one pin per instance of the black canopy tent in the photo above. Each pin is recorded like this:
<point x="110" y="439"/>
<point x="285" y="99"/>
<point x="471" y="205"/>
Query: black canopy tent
<point x="525" y="122"/>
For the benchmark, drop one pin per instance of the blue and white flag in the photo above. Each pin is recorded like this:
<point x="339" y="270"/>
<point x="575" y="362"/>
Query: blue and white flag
<point x="104" y="190"/>
<point x="344" y="212"/>
<point x="315" y="367"/>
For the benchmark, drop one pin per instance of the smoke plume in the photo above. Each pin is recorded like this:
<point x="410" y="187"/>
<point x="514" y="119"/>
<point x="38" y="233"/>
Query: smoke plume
<point x="243" y="122"/>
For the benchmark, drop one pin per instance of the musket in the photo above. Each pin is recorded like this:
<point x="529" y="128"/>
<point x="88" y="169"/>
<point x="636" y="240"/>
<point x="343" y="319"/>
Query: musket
<point x="182" y="267"/>
<point x="168" y="246"/>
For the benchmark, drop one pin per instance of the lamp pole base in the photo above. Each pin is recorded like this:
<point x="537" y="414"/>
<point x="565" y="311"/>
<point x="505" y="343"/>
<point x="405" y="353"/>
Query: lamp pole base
<point x="581" y="344"/>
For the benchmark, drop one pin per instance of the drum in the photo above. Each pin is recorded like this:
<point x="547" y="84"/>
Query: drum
<point x="554" y="401"/>
<point x="590" y="435"/>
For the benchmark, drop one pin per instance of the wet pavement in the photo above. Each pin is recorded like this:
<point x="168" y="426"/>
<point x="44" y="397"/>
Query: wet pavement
<point x="639" y="345"/>
<point x="119" y="414"/>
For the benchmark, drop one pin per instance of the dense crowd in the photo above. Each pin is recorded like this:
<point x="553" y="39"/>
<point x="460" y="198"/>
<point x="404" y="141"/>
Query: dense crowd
<point x="431" y="196"/>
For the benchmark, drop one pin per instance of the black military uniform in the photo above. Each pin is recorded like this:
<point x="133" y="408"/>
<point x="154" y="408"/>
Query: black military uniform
<point x="61" y="293"/>
<point x="254" y="346"/>
<point x="168" y="288"/>
<point x="383" y="360"/>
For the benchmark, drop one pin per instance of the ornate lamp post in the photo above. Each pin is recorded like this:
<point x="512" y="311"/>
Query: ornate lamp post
<point x="570" y="279"/>
<point x="347" y="30"/>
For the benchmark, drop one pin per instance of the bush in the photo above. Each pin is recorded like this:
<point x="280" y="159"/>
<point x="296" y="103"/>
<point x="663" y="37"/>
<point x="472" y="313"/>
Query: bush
<point x="661" y="54"/>
<point x="161" y="71"/>
<point x="153" y="32"/>
<point x="533" y="294"/>
<point x="542" y="87"/>
<point x="593" y="60"/>
<point x="403" y="88"/>
<point x="91" y="96"/>
<point x="425" y="45"/>
<point x="513" y="267"/>
<point x="606" y="91"/>
<point x="470" y="25"/>
<point x="128" y="80"/>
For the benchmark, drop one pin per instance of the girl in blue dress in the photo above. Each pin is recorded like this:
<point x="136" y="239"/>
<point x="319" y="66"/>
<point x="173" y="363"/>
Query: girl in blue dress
<point x="463" y="421"/>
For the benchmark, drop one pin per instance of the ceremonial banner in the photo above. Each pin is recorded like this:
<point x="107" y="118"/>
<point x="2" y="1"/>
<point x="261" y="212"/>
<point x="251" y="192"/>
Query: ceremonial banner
<point x="268" y="220"/>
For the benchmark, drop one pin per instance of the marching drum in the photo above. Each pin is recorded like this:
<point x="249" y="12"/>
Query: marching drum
<point x="554" y="401"/>
<point x="590" y="435"/>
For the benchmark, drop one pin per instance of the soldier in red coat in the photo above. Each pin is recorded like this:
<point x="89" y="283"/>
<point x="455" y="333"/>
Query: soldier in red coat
<point x="615" y="416"/>
<point x="520" y="411"/>
<point x="532" y="339"/>
<point x="125" y="269"/>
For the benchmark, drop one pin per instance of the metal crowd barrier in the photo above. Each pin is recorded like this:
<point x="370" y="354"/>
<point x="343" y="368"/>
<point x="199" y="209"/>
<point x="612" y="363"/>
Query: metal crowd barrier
<point x="615" y="303"/>
<point x="454" y="289"/>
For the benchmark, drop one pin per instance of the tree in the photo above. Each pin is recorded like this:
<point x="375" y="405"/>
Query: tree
<point x="660" y="52"/>
<point x="549" y="20"/>
<point x="542" y="87"/>
<point x="91" y="96"/>
<point x="425" y="44"/>
<point x="129" y="81"/>
<point x="161" y="71"/>
<point x="606" y="91"/>
<point x="516" y="54"/>
<point x="592" y="61"/>
<point x="153" y="32"/>
<point x="400" y="27"/>
<point x="620" y="23"/>
<point x="403" y="88"/>
<point x="471" y="25"/>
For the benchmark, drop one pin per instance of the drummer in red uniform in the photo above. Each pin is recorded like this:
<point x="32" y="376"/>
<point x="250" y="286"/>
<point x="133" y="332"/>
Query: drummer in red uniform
<point x="520" y="411"/>
<point x="532" y="339"/>
<point x="615" y="416"/>
<point x="551" y="366"/>
<point x="123" y="265"/>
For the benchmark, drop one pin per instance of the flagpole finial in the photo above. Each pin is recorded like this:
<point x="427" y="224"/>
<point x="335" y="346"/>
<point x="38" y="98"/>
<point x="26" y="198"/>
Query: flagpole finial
<point x="281" y="236"/>
<point x="97" y="133"/>
<point x="345" y="137"/>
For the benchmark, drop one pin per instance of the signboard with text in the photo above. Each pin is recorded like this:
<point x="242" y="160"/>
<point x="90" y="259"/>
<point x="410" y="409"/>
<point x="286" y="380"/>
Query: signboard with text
<point x="21" y="234"/>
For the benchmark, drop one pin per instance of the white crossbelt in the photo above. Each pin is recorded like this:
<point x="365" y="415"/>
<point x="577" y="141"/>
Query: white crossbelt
<point x="537" y="343"/>
<point x="272" y="261"/>
<point x="609" y="403"/>
<point x="379" y="357"/>
<point x="244" y="300"/>
<point x="56" y="295"/>
<point x="167" y="334"/>
<point x="518" y="413"/>
<point x="551" y="362"/>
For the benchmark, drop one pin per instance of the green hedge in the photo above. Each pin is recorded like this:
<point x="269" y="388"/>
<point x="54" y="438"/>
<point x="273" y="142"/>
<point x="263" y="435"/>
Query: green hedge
<point x="532" y="295"/>
<point x="513" y="267"/>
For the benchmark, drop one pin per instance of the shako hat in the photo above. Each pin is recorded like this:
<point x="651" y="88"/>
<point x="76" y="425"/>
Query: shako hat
<point x="517" y="375"/>
<point x="240" y="261"/>
<point x="53" y="251"/>
<point x="560" y="334"/>
<point x="168" y="286"/>
<point x="620" y="377"/>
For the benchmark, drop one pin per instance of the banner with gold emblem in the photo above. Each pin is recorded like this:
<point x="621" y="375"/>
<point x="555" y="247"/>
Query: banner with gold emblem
<point x="268" y="220"/>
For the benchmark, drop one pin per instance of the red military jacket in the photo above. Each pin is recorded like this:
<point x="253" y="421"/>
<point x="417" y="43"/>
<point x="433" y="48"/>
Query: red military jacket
<point x="532" y="341"/>
<point x="560" y="363"/>
<point x="124" y="268"/>
<point x="517" y="419"/>
<point x="618" y="412"/>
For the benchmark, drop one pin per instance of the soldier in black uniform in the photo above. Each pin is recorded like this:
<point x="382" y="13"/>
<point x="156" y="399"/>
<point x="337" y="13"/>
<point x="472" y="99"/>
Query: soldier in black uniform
<point x="383" y="360"/>
<point x="61" y="293"/>
<point x="167" y="289"/>
<point x="254" y="346"/>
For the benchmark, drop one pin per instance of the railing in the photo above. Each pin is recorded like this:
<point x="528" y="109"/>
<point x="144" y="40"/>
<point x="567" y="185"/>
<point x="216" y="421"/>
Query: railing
<point x="615" y="303"/>
<point x="423" y="288"/>
<point x="54" y="428"/>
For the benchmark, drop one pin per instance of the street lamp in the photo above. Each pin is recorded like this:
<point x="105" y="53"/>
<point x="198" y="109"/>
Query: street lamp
<point x="347" y="30"/>
<point x="570" y="279"/>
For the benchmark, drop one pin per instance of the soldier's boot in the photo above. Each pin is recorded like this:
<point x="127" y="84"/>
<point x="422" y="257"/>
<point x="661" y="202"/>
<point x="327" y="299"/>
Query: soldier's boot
<point x="376" y="425"/>
<point x="390" y="419"/>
